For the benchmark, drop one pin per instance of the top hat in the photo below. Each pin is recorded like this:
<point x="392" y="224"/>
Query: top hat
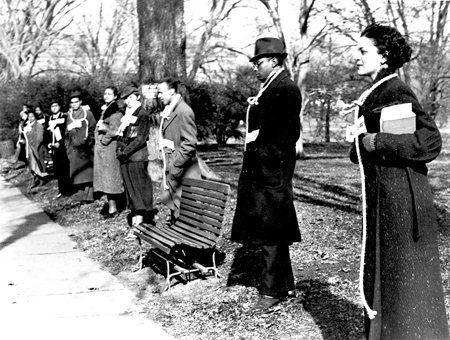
<point x="127" y="91"/>
<point x="269" y="47"/>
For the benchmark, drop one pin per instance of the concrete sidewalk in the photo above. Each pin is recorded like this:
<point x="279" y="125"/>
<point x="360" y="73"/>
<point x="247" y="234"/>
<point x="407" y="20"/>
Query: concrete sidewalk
<point x="51" y="290"/>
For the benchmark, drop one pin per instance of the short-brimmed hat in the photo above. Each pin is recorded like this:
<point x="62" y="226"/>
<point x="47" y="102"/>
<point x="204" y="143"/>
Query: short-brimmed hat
<point x="269" y="47"/>
<point x="127" y="91"/>
<point x="75" y="94"/>
<point x="56" y="101"/>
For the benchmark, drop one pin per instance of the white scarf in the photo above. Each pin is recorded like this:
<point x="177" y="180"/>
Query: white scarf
<point x="167" y="143"/>
<point x="78" y="123"/>
<point x="252" y="101"/>
<point x="371" y="313"/>
<point x="128" y="118"/>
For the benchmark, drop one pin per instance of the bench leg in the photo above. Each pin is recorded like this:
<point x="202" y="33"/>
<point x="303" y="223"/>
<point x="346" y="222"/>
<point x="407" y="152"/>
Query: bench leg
<point x="141" y="256"/>
<point x="216" y="272"/>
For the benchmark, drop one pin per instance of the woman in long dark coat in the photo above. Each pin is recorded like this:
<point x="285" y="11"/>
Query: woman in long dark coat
<point x="402" y="280"/>
<point x="132" y="154"/>
<point x="80" y="148"/>
<point x="107" y="176"/>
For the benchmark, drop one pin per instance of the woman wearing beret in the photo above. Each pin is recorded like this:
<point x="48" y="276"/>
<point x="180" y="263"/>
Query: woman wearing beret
<point x="79" y="142"/>
<point x="402" y="284"/>
<point x="107" y="176"/>
<point x="132" y="154"/>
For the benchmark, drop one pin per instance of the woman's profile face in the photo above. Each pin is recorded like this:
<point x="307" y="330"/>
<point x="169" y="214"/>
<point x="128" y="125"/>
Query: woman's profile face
<point x="109" y="95"/>
<point x="368" y="61"/>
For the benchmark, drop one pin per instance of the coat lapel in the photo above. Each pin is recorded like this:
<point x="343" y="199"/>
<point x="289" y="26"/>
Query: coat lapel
<point x="275" y="82"/>
<point x="172" y="116"/>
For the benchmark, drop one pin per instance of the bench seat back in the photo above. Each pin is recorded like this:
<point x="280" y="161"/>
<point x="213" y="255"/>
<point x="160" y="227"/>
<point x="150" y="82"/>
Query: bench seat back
<point x="202" y="211"/>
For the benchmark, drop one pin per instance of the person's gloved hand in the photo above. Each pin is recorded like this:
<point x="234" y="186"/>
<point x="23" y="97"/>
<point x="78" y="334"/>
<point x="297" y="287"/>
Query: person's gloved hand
<point x="369" y="142"/>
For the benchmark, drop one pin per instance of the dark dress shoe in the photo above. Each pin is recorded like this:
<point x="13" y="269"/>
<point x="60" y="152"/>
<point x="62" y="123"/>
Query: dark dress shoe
<point x="264" y="304"/>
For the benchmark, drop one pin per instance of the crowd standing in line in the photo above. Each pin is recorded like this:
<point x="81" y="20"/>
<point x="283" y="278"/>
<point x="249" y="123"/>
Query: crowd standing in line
<point x="401" y="281"/>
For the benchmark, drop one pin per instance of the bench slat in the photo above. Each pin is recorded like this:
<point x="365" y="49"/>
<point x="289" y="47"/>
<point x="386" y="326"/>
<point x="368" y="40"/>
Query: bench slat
<point x="201" y="235"/>
<point x="211" y="194"/>
<point x="221" y="187"/>
<point x="182" y="238"/>
<point x="204" y="199"/>
<point x="199" y="226"/>
<point x="209" y="208"/>
<point x="163" y="239"/>
<point x="152" y="242"/>
<point x="199" y="216"/>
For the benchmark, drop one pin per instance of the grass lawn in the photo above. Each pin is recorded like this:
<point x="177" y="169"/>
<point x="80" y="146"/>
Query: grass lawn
<point x="326" y="263"/>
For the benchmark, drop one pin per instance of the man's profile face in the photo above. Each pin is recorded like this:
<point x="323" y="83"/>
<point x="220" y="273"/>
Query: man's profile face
<point x="165" y="94"/>
<point x="263" y="67"/>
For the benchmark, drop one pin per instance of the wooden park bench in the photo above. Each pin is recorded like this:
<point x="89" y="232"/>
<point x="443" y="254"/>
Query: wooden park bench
<point x="189" y="245"/>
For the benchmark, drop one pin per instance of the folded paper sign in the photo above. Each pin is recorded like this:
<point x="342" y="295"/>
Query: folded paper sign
<point x="395" y="119"/>
<point x="398" y="119"/>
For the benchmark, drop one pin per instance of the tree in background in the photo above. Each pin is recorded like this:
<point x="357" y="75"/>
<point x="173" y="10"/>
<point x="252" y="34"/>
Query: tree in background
<point x="27" y="29"/>
<point x="107" y="39"/>
<point x="162" y="53"/>
<point x="162" y="39"/>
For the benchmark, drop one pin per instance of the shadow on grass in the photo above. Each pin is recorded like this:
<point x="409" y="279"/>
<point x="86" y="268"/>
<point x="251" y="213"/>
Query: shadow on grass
<point x="336" y="317"/>
<point x="325" y="195"/>
<point x="246" y="267"/>
<point x="30" y="224"/>
<point x="443" y="219"/>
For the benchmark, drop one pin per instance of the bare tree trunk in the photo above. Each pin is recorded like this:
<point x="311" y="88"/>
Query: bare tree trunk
<point x="162" y="53"/>
<point x="303" y="67"/>
<point x="162" y="39"/>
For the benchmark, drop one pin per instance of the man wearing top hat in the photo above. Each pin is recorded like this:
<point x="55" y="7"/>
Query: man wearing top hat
<point x="79" y="143"/>
<point x="265" y="213"/>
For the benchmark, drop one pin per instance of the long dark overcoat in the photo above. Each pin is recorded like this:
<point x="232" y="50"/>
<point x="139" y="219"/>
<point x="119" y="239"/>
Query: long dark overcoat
<point x="107" y="175"/>
<point x="80" y="146"/>
<point x="402" y="279"/>
<point x="265" y="212"/>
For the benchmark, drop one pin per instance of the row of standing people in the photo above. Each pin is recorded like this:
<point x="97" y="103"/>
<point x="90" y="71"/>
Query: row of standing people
<point x="110" y="155"/>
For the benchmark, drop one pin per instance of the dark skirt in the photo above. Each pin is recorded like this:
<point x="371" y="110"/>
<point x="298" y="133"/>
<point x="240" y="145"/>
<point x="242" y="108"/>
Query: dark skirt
<point x="138" y="185"/>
